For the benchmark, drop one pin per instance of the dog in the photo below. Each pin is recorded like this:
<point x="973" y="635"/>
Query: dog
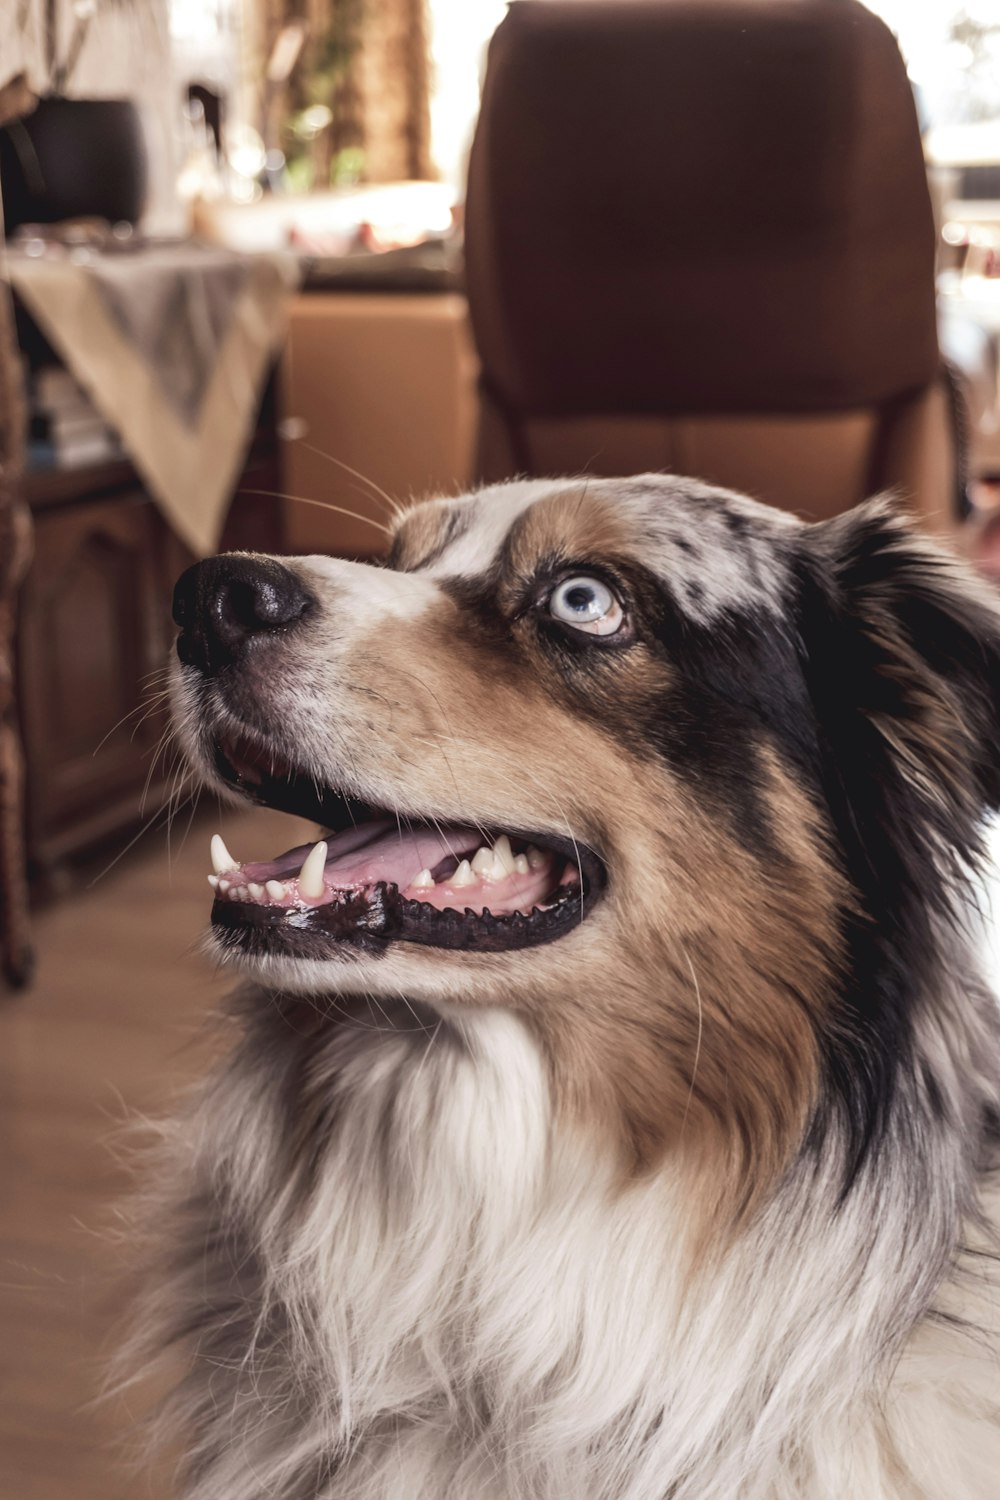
<point x="612" y="1108"/>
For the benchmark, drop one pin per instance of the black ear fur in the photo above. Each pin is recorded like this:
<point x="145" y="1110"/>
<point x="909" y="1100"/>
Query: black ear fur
<point x="916" y="647"/>
<point x="900" y="649"/>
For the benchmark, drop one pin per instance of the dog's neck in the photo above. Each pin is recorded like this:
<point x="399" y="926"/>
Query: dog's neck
<point x="456" y="1286"/>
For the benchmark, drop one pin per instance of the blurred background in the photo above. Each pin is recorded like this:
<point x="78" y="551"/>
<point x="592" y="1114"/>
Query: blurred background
<point x="271" y="267"/>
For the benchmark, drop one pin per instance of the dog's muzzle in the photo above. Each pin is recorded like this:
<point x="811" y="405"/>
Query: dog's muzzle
<point x="380" y="875"/>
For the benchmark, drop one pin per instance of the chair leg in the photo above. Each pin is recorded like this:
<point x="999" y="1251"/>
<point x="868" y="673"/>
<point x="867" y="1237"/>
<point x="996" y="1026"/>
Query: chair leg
<point x="16" y="957"/>
<point x="15" y="556"/>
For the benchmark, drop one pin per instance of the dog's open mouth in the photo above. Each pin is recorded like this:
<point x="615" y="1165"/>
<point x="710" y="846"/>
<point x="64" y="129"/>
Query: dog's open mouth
<point x="378" y="877"/>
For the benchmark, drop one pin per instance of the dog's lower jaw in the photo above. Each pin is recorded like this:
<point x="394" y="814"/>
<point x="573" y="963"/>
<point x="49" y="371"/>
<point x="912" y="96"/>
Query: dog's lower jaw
<point x="408" y="1279"/>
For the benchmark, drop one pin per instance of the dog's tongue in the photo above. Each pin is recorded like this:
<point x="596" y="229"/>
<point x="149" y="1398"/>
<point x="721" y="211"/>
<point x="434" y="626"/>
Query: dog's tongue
<point x="376" y="851"/>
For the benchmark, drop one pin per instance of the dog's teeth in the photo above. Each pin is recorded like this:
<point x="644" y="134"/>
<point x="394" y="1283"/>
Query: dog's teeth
<point x="423" y="881"/>
<point x="223" y="887"/>
<point x="256" y="891"/>
<point x="504" y="854"/>
<point x="488" y="867"/>
<point x="536" y="859"/>
<point x="521" y="865"/>
<point x="463" y="875"/>
<point x="311" y="874"/>
<point x="213" y="881"/>
<point x="222" y="860"/>
<point x="276" y="890"/>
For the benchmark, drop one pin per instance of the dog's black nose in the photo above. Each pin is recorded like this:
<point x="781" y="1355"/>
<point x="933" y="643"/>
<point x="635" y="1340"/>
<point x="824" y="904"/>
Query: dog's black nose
<point x="222" y="604"/>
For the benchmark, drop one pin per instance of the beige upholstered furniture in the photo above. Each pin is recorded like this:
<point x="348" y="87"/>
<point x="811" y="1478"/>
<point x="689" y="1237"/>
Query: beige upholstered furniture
<point x="699" y="238"/>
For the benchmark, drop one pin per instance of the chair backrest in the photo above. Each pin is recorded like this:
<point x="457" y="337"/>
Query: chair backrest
<point x="699" y="237"/>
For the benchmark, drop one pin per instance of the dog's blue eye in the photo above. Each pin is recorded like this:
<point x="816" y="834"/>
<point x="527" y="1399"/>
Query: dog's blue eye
<point x="586" y="604"/>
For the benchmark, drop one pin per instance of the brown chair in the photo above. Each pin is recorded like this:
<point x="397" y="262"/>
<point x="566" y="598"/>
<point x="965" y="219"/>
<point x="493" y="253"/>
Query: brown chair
<point x="699" y="239"/>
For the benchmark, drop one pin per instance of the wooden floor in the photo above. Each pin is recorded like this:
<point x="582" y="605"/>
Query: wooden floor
<point x="114" y="1024"/>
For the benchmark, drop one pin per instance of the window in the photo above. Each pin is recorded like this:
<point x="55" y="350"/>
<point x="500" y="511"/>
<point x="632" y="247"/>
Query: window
<point x="952" y="53"/>
<point x="460" y="31"/>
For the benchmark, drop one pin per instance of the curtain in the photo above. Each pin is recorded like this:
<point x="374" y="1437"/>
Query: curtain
<point x="367" y="62"/>
<point x="393" y="68"/>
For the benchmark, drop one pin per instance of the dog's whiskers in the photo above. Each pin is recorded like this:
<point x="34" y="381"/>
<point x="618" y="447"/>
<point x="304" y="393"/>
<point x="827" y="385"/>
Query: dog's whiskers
<point x="148" y="706"/>
<point x="354" y="515"/>
<point x="161" y="813"/>
<point x="394" y="508"/>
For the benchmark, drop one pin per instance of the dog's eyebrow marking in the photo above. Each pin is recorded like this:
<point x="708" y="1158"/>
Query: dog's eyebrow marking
<point x="457" y="524"/>
<point x="575" y="521"/>
<point x="433" y="526"/>
<point x="492" y="511"/>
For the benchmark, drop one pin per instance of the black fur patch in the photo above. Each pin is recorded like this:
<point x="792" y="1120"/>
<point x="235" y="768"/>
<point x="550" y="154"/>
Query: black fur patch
<point x="894" y="645"/>
<point x="737" y="686"/>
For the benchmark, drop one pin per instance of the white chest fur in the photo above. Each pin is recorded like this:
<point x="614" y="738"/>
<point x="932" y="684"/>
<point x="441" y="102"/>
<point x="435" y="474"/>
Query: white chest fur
<point x="444" y="1297"/>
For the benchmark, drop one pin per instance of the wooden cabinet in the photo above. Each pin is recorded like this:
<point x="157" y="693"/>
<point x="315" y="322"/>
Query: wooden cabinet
<point x="95" y="633"/>
<point x="93" y="628"/>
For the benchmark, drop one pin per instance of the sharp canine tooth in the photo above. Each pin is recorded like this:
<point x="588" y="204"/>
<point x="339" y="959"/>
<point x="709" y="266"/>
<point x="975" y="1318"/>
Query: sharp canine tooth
<point x="276" y="890"/>
<point x="482" y="862"/>
<point x="422" y="882"/>
<point x="213" y="881"/>
<point x="504" y="854"/>
<point x="536" y="859"/>
<point x="256" y="891"/>
<point x="222" y="860"/>
<point x="463" y="875"/>
<point x="311" y="873"/>
<point x="521" y="864"/>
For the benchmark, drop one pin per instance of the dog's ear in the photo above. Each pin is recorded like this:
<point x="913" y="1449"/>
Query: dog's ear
<point x="902" y="653"/>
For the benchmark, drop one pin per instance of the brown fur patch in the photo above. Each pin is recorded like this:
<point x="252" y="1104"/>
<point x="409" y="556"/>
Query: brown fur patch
<point x="574" y="523"/>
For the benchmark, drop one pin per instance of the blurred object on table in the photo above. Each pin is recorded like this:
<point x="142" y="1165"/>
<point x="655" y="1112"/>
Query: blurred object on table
<point x="392" y="214"/>
<point x="433" y="266"/>
<point x="72" y="158"/>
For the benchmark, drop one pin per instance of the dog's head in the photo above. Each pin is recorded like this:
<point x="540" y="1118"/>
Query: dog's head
<point x="681" y="780"/>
